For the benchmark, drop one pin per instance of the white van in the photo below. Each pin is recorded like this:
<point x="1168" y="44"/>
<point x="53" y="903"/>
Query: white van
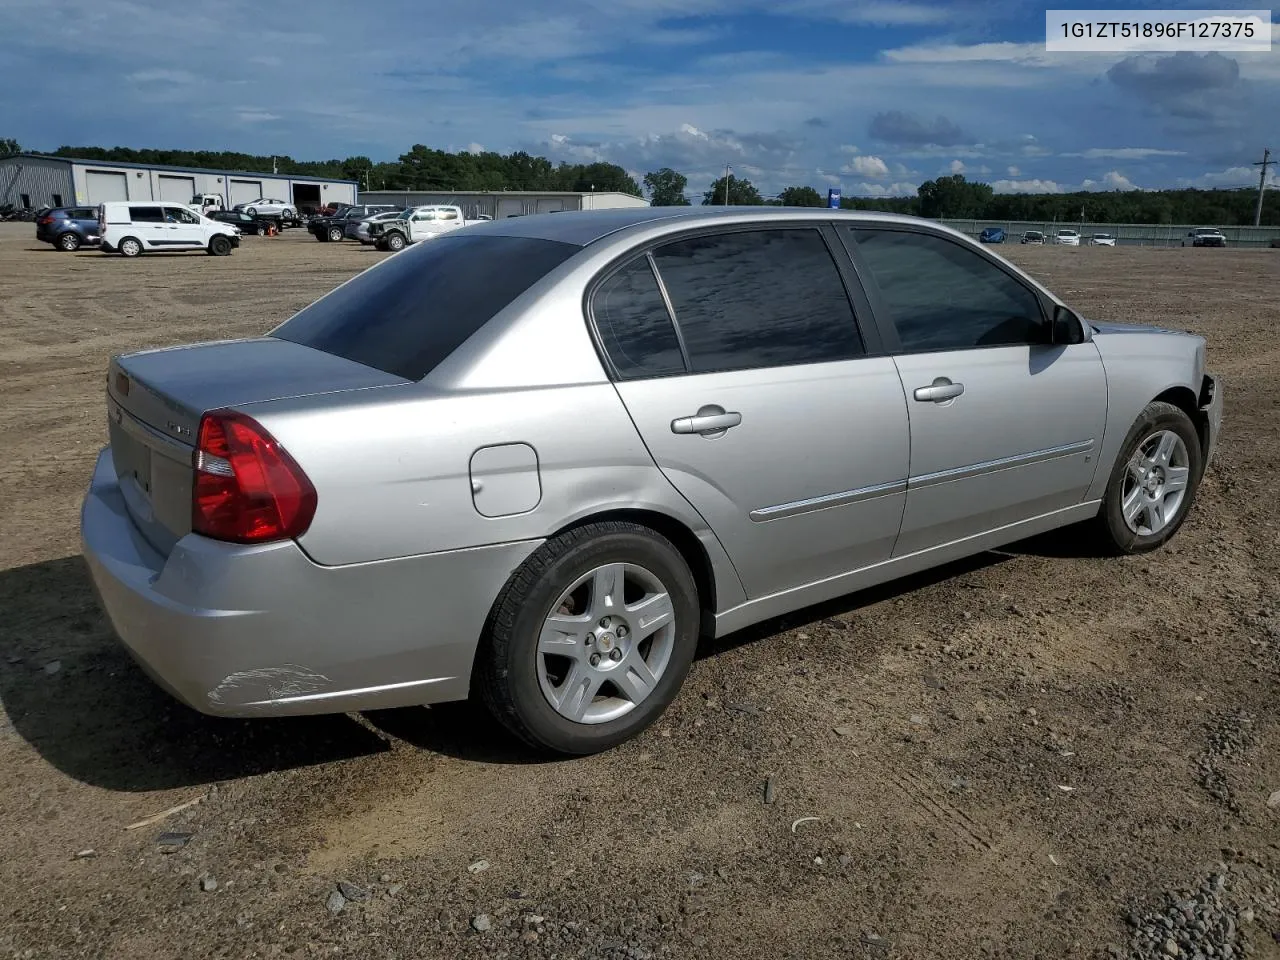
<point x="151" y="225"/>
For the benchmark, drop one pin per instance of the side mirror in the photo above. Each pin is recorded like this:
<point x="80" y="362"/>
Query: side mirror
<point x="1067" y="327"/>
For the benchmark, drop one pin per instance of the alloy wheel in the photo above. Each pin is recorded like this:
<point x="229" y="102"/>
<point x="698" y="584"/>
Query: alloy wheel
<point x="606" y="643"/>
<point x="1155" y="483"/>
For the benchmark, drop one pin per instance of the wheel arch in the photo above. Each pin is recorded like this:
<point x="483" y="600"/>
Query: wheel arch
<point x="1186" y="400"/>
<point x="682" y="537"/>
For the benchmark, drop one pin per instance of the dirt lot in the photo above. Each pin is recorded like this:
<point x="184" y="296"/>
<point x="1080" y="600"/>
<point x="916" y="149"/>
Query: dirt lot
<point x="1024" y="755"/>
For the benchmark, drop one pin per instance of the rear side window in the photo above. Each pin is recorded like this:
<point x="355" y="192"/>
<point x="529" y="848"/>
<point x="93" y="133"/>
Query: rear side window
<point x="634" y="326"/>
<point x="759" y="298"/>
<point x="943" y="296"/>
<point x="146" y="214"/>
<point x="410" y="312"/>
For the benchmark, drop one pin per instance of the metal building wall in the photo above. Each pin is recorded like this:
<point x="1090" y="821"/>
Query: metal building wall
<point x="38" y="177"/>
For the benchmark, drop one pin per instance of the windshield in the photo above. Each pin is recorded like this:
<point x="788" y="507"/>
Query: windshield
<point x="412" y="310"/>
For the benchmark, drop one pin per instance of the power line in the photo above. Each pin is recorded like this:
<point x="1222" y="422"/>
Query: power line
<point x="1262" y="184"/>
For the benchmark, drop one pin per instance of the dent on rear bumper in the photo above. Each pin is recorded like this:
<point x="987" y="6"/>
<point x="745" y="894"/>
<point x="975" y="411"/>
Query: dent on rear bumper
<point x="238" y="631"/>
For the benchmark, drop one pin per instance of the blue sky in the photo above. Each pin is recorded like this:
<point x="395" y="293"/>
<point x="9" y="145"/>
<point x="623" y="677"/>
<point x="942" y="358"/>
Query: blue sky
<point x="872" y="96"/>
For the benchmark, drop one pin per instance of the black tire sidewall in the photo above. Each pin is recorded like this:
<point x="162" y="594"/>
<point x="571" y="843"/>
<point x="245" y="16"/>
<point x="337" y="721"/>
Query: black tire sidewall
<point x="522" y="689"/>
<point x="69" y="242"/>
<point x="332" y="238"/>
<point x="220" y="246"/>
<point x="1156" y="416"/>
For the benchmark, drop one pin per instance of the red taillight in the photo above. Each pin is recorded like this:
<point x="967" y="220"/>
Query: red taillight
<point x="45" y="221"/>
<point x="247" y="488"/>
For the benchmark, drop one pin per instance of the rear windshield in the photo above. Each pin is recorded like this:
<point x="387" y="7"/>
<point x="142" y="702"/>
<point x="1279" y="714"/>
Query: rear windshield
<point x="410" y="312"/>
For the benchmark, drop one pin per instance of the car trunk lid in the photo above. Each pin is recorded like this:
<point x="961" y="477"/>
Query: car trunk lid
<point x="155" y="400"/>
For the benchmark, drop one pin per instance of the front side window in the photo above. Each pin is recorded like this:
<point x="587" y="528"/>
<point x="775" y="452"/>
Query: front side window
<point x="180" y="215"/>
<point x="942" y="296"/>
<point x="758" y="298"/>
<point x="424" y="215"/>
<point x="408" y="313"/>
<point x="146" y="214"/>
<point x="634" y="326"/>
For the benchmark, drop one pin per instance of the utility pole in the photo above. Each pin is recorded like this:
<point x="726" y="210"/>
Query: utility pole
<point x="727" y="168"/>
<point x="1262" y="183"/>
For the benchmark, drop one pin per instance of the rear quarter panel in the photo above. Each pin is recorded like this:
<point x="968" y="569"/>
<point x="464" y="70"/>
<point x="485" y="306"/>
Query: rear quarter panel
<point x="393" y="477"/>
<point x="1141" y="363"/>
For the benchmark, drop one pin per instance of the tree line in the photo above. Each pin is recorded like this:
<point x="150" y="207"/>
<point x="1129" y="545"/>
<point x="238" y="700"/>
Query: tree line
<point x="424" y="168"/>
<point x="954" y="197"/>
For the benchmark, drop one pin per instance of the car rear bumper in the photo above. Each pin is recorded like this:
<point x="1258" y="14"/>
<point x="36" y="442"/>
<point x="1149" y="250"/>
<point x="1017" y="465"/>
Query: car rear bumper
<point x="235" y="630"/>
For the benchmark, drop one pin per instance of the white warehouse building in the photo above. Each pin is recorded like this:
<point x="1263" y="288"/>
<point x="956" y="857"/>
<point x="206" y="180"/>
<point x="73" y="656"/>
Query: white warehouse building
<point x="501" y="204"/>
<point x="33" y="181"/>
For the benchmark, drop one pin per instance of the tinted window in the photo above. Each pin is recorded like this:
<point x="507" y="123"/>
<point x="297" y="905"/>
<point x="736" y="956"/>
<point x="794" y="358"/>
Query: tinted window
<point x="760" y="298"/>
<point x="84" y="213"/>
<point x="146" y="215"/>
<point x="942" y="296"/>
<point x="411" y="311"/>
<point x="635" y="328"/>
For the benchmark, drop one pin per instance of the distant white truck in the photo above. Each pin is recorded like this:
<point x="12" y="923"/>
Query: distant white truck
<point x="206" y="203"/>
<point x="415" y="224"/>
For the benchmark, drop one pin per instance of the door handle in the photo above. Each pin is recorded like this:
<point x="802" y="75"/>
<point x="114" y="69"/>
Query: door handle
<point x="940" y="391"/>
<point x="708" y="420"/>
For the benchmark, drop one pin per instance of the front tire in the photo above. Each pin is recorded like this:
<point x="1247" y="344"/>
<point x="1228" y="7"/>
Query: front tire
<point x="130" y="247"/>
<point x="335" y="234"/>
<point x="591" y="638"/>
<point x="1154" y="481"/>
<point x="220" y="246"/>
<point x="69" y="242"/>
<point x="395" y="242"/>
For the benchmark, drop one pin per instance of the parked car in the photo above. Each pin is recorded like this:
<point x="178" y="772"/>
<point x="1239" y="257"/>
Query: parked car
<point x="334" y="228"/>
<point x="269" y="208"/>
<point x="379" y="503"/>
<point x="134" y="227"/>
<point x="1205" y="237"/>
<point x="242" y="221"/>
<point x="68" y="228"/>
<point x="1102" y="240"/>
<point x="992" y="235"/>
<point x="359" y="229"/>
<point x="1033" y="236"/>
<point x="1067" y="238"/>
<point x="415" y="224"/>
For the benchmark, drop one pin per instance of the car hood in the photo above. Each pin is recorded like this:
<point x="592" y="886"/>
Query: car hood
<point x="1105" y="328"/>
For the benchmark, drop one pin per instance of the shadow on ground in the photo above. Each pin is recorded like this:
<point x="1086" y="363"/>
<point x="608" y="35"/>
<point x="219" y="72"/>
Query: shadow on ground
<point x="71" y="692"/>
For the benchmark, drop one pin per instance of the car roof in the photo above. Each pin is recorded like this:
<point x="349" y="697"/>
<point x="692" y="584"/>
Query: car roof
<point x="582" y="227"/>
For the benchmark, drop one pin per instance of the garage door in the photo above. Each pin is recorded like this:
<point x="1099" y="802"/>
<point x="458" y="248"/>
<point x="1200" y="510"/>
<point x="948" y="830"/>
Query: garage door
<point x="510" y="207"/>
<point x="177" y="189"/>
<point x="103" y="186"/>
<point x="550" y="206"/>
<point x="245" y="191"/>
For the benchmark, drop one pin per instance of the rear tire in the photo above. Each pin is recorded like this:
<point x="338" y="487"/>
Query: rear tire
<point x="219" y="246"/>
<point x="514" y="672"/>
<point x="130" y="247"/>
<point x="1143" y="505"/>
<point x="69" y="242"/>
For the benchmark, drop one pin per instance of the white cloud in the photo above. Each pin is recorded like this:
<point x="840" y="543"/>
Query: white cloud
<point x="867" y="166"/>
<point x="475" y="148"/>
<point x="1014" y="171"/>
<point x="882" y="190"/>
<point x="1112" y="180"/>
<point x="957" y="166"/>
<point x="256" y="116"/>
<point x="1125" y="153"/>
<point x="1026" y="186"/>
<point x="1230" y="177"/>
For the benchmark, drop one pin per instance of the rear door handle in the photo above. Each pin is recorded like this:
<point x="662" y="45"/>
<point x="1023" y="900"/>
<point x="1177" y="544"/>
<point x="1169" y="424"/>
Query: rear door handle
<point x="708" y="420"/>
<point x="940" y="391"/>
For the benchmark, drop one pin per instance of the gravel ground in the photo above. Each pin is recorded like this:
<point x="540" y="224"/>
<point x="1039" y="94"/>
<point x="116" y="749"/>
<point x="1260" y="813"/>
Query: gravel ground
<point x="1034" y="753"/>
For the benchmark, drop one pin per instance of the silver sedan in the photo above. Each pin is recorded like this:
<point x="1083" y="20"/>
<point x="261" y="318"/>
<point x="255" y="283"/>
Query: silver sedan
<point x="535" y="460"/>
